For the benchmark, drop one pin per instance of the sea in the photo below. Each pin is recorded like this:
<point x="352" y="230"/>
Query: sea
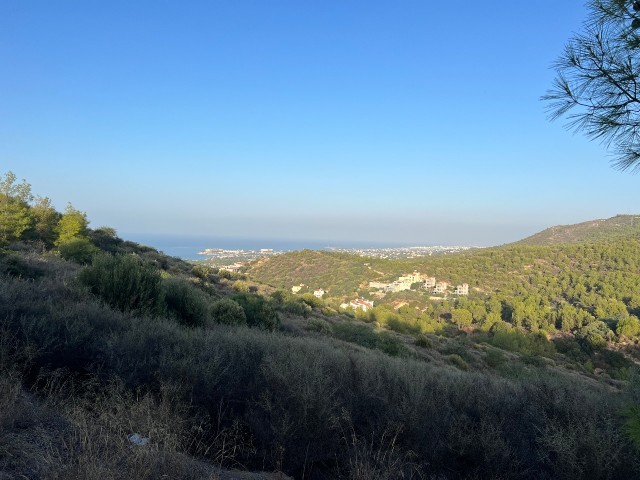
<point x="188" y="246"/>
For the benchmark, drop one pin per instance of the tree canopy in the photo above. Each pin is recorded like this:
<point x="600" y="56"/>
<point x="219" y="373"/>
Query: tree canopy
<point x="596" y="84"/>
<point x="15" y="217"/>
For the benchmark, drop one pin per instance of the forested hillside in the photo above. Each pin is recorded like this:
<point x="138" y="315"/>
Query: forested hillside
<point x="590" y="290"/>
<point x="603" y="229"/>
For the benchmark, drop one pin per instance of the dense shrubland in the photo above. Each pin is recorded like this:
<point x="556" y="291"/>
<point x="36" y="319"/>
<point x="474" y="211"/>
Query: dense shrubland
<point x="313" y="405"/>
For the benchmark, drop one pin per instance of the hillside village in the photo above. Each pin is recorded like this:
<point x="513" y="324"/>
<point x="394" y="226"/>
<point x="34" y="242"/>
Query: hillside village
<point x="412" y="281"/>
<point x="406" y="282"/>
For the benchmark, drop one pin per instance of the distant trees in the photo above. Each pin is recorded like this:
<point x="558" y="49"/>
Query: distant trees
<point x="596" y="86"/>
<point x="23" y="218"/>
<point x="15" y="217"/>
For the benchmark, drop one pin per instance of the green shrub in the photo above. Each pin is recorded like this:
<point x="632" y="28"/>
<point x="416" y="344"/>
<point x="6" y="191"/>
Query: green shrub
<point x="298" y="308"/>
<point x="16" y="266"/>
<point x="185" y="302"/>
<point x="204" y="273"/>
<point x="78" y="249"/>
<point x="228" y="312"/>
<point x="311" y="300"/>
<point x="106" y="239"/>
<point x="423" y="341"/>
<point x="240" y="286"/>
<point x="320" y="326"/>
<point x="402" y="325"/>
<point x="494" y="358"/>
<point x="366" y="336"/>
<point x="457" y="361"/>
<point x="259" y="311"/>
<point x="125" y="283"/>
<point x="517" y="341"/>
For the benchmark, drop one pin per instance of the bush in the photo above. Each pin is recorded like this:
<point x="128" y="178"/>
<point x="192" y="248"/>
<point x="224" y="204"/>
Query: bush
<point x="320" y="326"/>
<point x="423" y="341"/>
<point x="457" y="361"/>
<point x="79" y="250"/>
<point x="240" y="286"/>
<point x="125" y="283"/>
<point x="188" y="304"/>
<point x="16" y="266"/>
<point x="517" y="341"/>
<point x="495" y="358"/>
<point x="367" y="337"/>
<point x="204" y="273"/>
<point x="300" y="309"/>
<point x="106" y="239"/>
<point x="228" y="312"/>
<point x="259" y="312"/>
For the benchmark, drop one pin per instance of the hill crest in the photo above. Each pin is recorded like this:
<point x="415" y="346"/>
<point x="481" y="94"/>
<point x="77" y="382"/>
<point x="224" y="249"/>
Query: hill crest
<point x="589" y="231"/>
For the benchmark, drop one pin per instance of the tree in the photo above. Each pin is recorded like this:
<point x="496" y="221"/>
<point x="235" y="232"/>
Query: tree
<point x="596" y="86"/>
<point x="15" y="215"/>
<point x="461" y="317"/>
<point x="73" y="224"/>
<point x="45" y="220"/>
<point x="628" y="327"/>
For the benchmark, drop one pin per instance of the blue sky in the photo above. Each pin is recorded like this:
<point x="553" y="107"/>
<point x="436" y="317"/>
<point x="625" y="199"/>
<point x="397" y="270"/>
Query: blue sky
<point x="409" y="121"/>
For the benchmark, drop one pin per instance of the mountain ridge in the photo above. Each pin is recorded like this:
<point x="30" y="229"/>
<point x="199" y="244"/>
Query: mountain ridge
<point x="591" y="230"/>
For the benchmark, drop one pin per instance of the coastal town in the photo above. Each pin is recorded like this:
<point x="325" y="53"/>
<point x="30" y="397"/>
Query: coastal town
<point x="236" y="258"/>
<point x="395" y="253"/>
<point x="233" y="260"/>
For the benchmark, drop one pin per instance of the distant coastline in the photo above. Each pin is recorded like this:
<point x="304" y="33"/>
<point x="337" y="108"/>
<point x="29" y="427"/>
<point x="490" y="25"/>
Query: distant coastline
<point x="188" y="246"/>
<point x="196" y="247"/>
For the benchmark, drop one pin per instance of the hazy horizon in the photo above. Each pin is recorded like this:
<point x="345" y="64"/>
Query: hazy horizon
<point x="378" y="122"/>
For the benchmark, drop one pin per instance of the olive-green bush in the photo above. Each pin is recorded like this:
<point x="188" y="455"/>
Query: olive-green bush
<point x="126" y="283"/>
<point x="189" y="305"/>
<point x="228" y="312"/>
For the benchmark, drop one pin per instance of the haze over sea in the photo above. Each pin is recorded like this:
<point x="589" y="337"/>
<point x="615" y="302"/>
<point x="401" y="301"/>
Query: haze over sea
<point x="188" y="246"/>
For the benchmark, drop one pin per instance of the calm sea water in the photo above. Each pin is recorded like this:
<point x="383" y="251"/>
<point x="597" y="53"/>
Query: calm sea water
<point x="187" y="247"/>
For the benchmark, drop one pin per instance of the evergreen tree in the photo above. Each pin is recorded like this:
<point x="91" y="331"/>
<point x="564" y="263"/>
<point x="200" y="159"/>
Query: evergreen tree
<point x="73" y="224"/>
<point x="15" y="215"/>
<point x="596" y="82"/>
<point x="45" y="220"/>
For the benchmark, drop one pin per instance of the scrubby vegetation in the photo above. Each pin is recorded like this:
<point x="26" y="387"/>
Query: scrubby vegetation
<point x="216" y="374"/>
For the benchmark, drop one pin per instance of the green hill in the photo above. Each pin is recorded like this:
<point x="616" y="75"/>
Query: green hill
<point x="593" y="230"/>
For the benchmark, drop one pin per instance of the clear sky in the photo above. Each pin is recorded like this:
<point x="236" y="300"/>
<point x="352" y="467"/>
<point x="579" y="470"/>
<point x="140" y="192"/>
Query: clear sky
<point x="382" y="121"/>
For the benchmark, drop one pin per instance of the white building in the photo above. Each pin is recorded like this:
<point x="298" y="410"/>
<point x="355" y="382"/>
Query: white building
<point x="361" y="304"/>
<point x="318" y="292"/>
<point x="414" y="277"/>
<point x="429" y="282"/>
<point x="440" y="287"/>
<point x="462" y="289"/>
<point x="297" y="288"/>
<point x="397" y="286"/>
